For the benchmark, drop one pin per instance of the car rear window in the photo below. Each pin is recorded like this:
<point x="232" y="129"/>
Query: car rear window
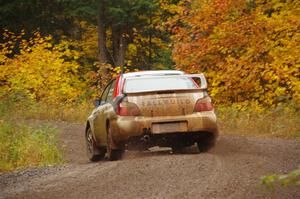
<point x="158" y="83"/>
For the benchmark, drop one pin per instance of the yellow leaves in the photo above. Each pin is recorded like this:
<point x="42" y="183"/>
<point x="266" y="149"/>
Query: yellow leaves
<point x="41" y="70"/>
<point x="116" y="70"/>
<point x="172" y="8"/>
<point x="279" y="91"/>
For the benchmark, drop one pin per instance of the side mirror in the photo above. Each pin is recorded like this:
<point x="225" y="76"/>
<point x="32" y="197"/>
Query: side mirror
<point x="97" y="103"/>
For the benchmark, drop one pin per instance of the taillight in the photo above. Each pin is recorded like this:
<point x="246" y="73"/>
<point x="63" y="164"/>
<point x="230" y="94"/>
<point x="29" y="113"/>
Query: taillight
<point x="203" y="104"/>
<point x="128" y="109"/>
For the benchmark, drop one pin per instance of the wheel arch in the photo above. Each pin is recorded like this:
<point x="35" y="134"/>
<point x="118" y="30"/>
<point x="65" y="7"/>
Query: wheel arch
<point x="87" y="126"/>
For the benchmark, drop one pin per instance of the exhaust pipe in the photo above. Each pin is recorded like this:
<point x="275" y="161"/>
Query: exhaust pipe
<point x="145" y="138"/>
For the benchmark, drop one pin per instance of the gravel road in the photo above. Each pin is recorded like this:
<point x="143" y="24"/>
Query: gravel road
<point x="231" y="170"/>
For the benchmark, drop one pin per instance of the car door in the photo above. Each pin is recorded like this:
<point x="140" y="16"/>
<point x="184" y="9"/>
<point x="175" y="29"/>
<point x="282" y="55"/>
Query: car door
<point x="98" y="120"/>
<point x="103" y="115"/>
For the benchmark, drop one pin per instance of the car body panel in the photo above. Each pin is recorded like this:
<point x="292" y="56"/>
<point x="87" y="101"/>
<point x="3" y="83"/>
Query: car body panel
<point x="166" y="104"/>
<point x="100" y="123"/>
<point x="135" y="126"/>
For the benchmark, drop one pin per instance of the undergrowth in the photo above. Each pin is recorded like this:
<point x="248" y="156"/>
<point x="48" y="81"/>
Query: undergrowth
<point x="291" y="178"/>
<point x="19" y="108"/>
<point x="282" y="121"/>
<point x="24" y="146"/>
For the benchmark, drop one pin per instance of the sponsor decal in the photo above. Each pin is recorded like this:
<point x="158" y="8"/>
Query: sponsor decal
<point x="162" y="102"/>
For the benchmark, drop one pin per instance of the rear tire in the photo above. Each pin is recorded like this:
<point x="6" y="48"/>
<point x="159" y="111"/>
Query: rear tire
<point x="112" y="153"/>
<point x="94" y="153"/>
<point x="207" y="143"/>
<point x="115" y="154"/>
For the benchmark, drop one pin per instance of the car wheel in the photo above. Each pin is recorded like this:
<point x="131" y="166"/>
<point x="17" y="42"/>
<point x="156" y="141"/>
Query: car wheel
<point x="206" y="144"/>
<point x="112" y="153"/>
<point x="94" y="153"/>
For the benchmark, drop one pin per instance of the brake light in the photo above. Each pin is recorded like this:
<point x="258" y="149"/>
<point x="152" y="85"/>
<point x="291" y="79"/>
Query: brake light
<point x="128" y="109"/>
<point x="203" y="105"/>
<point x="117" y="86"/>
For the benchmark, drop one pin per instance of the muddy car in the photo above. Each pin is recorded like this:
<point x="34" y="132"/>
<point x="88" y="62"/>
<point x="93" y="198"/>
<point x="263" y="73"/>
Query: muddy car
<point x="154" y="108"/>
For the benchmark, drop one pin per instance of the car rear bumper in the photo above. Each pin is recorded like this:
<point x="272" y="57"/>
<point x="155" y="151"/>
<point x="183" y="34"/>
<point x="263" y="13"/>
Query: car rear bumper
<point x="125" y="127"/>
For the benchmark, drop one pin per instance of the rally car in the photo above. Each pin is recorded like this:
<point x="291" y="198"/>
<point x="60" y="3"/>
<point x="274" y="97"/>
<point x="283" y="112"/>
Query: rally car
<point x="140" y="110"/>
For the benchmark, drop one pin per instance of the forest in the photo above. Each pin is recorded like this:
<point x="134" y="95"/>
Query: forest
<point x="66" y="50"/>
<point x="56" y="56"/>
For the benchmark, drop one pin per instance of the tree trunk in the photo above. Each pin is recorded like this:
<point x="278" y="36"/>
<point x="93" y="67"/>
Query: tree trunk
<point x="115" y="43"/>
<point x="150" y="52"/>
<point x="102" y="49"/>
<point x="122" y="50"/>
<point x="150" y="44"/>
<point x="119" y="46"/>
<point x="103" y="58"/>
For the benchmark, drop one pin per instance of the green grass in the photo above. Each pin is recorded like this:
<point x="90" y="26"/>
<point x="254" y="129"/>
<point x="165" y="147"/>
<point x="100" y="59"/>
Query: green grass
<point x="24" y="146"/>
<point x="282" y="122"/>
<point x="24" y="109"/>
<point x="75" y="114"/>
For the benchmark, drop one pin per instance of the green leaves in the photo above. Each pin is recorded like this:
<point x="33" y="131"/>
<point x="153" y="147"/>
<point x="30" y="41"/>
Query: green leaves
<point x="292" y="178"/>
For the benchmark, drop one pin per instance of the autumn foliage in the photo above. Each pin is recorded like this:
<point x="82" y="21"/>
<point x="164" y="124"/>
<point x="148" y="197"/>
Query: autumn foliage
<point x="39" y="70"/>
<point x="249" y="50"/>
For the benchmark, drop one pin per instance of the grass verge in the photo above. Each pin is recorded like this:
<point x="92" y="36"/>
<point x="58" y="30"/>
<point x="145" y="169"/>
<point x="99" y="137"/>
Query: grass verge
<point x="11" y="109"/>
<point x="282" y="122"/>
<point x="24" y="146"/>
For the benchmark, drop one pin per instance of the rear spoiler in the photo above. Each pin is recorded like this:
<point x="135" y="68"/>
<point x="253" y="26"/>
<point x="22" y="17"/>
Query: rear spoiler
<point x="201" y="77"/>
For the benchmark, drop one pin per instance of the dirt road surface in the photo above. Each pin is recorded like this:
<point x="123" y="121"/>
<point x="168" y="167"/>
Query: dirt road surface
<point x="231" y="170"/>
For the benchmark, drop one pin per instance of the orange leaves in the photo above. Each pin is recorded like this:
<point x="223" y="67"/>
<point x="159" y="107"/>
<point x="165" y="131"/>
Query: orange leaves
<point x="247" y="54"/>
